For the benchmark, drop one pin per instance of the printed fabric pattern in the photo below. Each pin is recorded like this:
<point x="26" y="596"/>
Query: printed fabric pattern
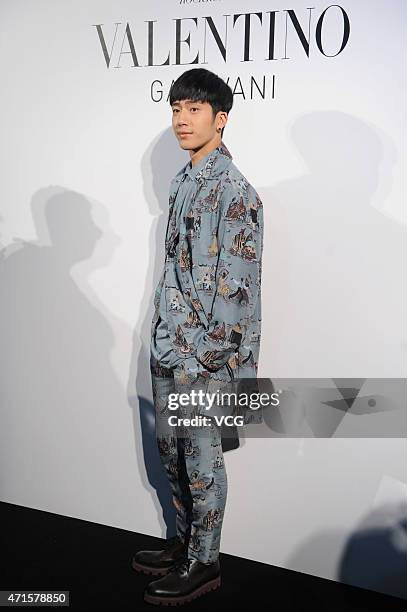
<point x="207" y="304"/>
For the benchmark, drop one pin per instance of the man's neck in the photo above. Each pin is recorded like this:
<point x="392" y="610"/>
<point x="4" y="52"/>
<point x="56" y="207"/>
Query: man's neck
<point x="197" y="155"/>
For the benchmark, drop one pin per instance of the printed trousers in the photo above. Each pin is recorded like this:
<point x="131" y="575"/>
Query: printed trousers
<point x="193" y="460"/>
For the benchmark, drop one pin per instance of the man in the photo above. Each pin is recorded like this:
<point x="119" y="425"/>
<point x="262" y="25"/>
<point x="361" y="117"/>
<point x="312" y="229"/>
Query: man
<point x="203" y="329"/>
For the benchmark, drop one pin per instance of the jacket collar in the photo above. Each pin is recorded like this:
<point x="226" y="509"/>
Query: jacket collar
<point x="209" y="167"/>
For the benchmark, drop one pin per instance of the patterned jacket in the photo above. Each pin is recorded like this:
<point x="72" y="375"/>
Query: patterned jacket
<point x="207" y="318"/>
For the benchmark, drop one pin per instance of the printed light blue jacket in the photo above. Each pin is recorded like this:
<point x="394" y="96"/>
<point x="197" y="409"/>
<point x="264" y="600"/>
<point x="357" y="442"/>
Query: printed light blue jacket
<point x="207" y="318"/>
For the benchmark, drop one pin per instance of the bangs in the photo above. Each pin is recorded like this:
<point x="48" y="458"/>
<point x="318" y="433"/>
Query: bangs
<point x="201" y="85"/>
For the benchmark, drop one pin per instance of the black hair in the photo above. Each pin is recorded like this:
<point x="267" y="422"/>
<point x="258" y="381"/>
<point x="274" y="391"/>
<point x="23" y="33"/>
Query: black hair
<point x="201" y="85"/>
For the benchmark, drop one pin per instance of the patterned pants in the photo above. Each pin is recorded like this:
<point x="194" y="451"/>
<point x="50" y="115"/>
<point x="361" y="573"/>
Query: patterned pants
<point x="193" y="459"/>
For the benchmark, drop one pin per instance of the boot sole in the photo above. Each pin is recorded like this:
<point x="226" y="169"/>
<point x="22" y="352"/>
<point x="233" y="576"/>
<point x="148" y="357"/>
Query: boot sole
<point x="151" y="571"/>
<point x="178" y="601"/>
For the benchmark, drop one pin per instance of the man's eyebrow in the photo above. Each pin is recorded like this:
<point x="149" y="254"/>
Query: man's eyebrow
<point x="187" y="102"/>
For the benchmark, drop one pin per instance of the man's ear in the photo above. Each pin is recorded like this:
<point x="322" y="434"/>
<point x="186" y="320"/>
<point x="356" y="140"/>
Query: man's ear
<point x="224" y="116"/>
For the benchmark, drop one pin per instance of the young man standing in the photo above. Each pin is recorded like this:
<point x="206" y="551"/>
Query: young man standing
<point x="206" y="327"/>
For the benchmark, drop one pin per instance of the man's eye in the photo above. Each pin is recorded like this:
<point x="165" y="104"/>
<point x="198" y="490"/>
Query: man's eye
<point x="194" y="108"/>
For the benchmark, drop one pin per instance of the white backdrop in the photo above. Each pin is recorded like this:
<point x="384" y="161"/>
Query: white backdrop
<point x="86" y="157"/>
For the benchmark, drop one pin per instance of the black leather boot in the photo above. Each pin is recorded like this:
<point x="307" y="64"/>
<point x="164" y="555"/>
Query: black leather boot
<point x="187" y="579"/>
<point x="159" y="562"/>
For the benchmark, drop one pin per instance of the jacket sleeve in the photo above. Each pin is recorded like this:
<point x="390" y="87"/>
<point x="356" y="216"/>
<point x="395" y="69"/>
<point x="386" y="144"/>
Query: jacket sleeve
<point x="237" y="278"/>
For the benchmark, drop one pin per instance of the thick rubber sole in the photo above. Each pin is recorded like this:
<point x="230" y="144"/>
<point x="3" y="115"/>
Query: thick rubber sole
<point x="151" y="571"/>
<point x="179" y="601"/>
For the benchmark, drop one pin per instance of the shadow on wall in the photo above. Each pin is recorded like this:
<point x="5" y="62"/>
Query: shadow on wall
<point x="59" y="438"/>
<point x="375" y="556"/>
<point x="159" y="164"/>
<point x="334" y="257"/>
<point x="333" y="264"/>
<point x="59" y="389"/>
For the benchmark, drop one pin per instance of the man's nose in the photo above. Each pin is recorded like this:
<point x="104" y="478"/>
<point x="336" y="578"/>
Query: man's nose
<point x="181" y="119"/>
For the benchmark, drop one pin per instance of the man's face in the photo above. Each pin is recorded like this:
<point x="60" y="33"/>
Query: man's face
<point x="193" y="123"/>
